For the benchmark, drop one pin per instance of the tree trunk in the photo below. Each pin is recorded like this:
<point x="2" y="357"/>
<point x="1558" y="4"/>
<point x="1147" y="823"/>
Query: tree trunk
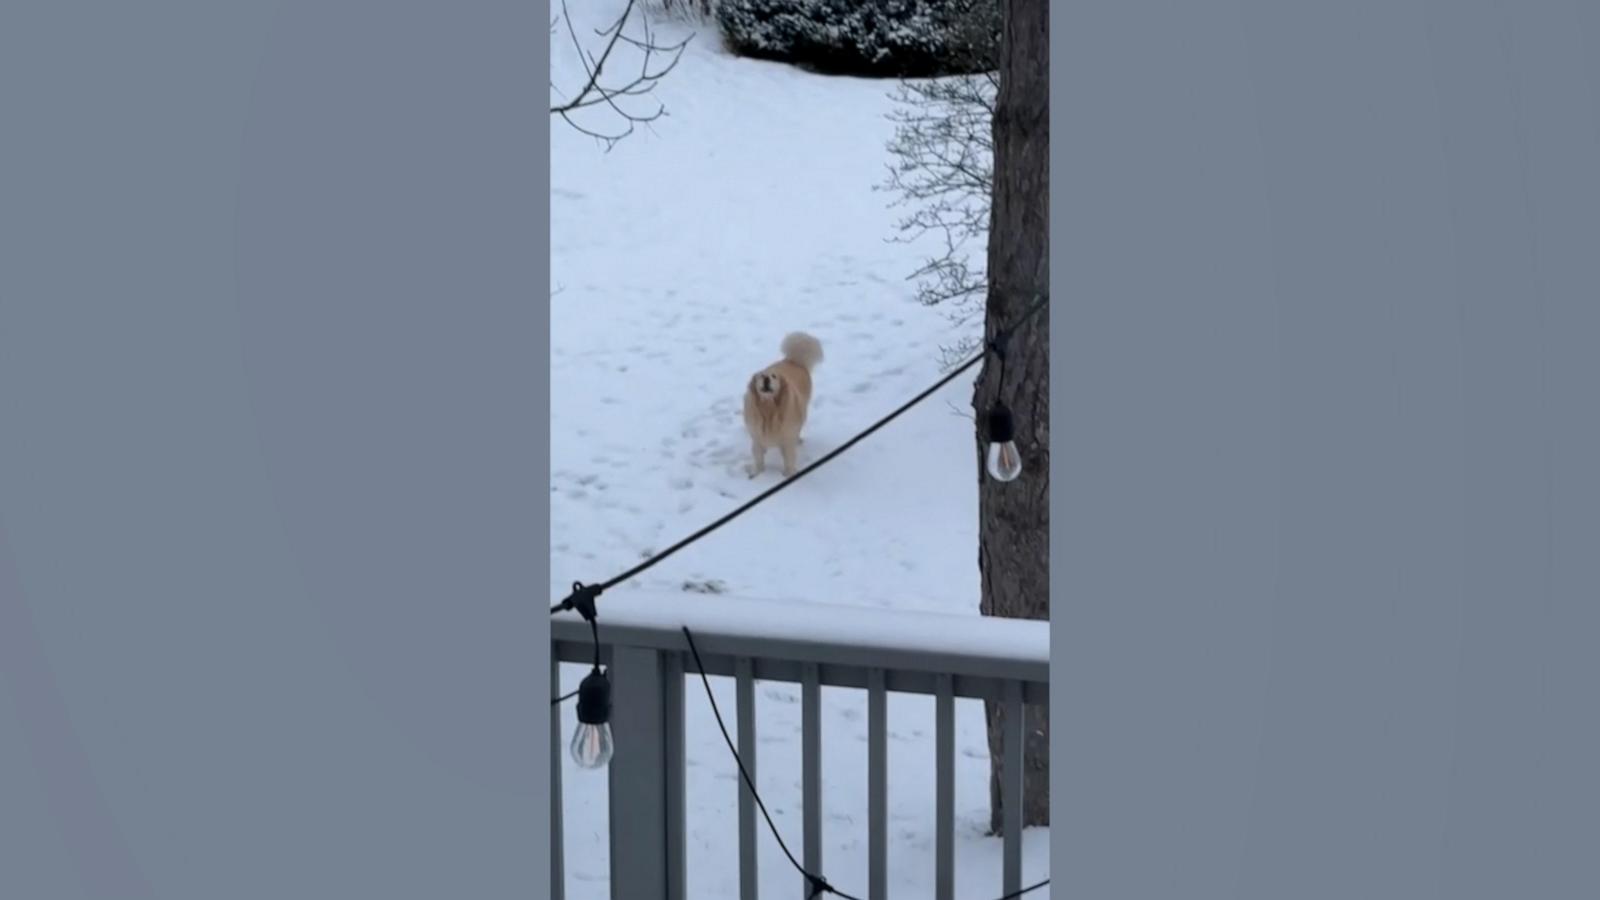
<point x="1014" y="517"/>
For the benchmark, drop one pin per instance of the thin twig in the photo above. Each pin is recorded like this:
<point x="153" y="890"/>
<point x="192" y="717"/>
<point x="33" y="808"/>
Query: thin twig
<point x="596" y="92"/>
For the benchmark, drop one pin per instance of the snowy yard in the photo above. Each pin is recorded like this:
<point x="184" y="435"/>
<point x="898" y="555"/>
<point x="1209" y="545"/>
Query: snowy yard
<point x="679" y="260"/>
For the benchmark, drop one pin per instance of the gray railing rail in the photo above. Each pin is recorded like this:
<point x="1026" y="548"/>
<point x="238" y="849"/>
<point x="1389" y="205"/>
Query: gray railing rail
<point x="813" y="645"/>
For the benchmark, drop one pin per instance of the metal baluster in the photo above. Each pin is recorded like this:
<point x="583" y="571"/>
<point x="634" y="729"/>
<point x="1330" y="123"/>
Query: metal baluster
<point x="877" y="787"/>
<point x="944" y="803"/>
<point x="811" y="770"/>
<point x="745" y="671"/>
<point x="1011" y="785"/>
<point x="558" y="881"/>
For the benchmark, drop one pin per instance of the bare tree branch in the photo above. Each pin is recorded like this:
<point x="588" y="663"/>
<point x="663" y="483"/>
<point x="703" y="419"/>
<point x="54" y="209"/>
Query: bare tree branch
<point x="942" y="171"/>
<point x="597" y="91"/>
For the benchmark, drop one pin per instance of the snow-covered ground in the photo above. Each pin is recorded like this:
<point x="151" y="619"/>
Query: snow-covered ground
<point x="679" y="260"/>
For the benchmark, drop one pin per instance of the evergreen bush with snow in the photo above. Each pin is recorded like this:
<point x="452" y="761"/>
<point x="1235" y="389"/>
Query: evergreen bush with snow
<point x="880" y="38"/>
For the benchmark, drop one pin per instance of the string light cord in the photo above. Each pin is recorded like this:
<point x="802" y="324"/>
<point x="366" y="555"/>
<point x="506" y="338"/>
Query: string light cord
<point x="583" y="596"/>
<point x="1027" y="890"/>
<point x="582" y="599"/>
<point x="997" y="346"/>
<point x="819" y="885"/>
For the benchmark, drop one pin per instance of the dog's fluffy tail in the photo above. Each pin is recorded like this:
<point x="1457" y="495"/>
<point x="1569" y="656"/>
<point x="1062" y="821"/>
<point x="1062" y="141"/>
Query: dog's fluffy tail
<point x="802" y="349"/>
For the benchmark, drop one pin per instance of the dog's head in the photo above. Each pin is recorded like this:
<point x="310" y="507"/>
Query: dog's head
<point x="767" y="385"/>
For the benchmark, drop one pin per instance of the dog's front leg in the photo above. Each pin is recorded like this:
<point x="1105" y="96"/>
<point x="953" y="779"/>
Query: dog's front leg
<point x="788" y="458"/>
<point x="758" y="455"/>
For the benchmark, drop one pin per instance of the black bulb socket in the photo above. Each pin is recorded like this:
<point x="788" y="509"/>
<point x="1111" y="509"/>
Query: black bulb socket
<point x="1001" y="427"/>
<point x="594" y="698"/>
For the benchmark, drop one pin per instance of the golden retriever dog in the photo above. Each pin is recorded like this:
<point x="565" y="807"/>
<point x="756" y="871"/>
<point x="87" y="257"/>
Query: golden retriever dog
<point x="776" y="401"/>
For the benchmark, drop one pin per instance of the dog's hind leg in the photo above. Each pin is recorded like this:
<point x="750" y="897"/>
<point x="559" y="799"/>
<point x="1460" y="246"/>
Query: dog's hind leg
<point x="758" y="455"/>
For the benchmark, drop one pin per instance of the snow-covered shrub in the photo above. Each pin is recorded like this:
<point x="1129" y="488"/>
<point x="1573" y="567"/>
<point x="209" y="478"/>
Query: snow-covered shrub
<point x="692" y="11"/>
<point x="884" y="38"/>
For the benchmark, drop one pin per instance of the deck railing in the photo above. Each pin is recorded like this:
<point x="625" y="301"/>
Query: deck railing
<point x="813" y="645"/>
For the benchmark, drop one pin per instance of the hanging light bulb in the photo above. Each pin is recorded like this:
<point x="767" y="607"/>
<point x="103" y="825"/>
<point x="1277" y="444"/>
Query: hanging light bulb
<point x="591" y="742"/>
<point x="1004" y="462"/>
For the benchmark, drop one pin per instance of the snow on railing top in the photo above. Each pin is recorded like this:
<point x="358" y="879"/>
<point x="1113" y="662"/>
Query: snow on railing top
<point x="821" y="633"/>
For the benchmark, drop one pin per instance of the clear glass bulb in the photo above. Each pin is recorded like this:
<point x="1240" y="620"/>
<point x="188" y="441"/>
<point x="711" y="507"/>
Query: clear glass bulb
<point x="1004" y="461"/>
<point x="591" y="746"/>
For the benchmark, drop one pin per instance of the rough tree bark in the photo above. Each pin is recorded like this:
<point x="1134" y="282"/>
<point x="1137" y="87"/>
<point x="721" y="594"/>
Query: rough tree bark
<point x="1014" y="518"/>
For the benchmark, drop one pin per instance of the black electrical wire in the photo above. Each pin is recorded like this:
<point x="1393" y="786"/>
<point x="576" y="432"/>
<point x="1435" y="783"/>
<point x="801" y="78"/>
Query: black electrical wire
<point x="1029" y="889"/>
<point x="583" y="596"/>
<point x="818" y="885"/>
